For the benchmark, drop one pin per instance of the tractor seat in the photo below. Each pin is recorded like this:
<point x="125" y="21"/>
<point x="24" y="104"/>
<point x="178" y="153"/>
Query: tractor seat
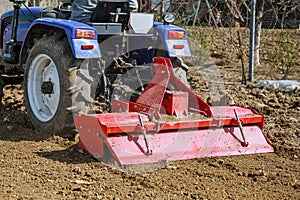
<point x="62" y="11"/>
<point x="105" y="12"/>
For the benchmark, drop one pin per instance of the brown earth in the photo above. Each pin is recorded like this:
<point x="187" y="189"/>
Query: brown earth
<point x="35" y="165"/>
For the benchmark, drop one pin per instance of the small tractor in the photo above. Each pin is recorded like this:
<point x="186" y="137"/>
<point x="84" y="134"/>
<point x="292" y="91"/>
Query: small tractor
<point x="124" y="63"/>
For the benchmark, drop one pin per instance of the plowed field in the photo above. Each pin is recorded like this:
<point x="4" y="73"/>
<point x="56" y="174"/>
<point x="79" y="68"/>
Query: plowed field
<point x="36" y="165"/>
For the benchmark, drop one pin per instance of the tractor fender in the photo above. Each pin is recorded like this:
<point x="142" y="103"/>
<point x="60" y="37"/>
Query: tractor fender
<point x="174" y="47"/>
<point x="45" y="25"/>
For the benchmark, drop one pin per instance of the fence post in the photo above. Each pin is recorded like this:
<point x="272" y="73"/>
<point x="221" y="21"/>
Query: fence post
<point x="197" y="11"/>
<point x="252" y="40"/>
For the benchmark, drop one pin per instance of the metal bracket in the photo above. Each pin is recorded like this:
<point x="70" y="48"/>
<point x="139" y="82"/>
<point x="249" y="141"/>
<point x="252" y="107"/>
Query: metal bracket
<point x="149" y="151"/>
<point x="244" y="143"/>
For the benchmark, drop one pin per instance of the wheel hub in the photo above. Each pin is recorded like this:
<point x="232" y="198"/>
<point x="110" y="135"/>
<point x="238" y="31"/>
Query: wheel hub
<point x="43" y="87"/>
<point x="47" y="87"/>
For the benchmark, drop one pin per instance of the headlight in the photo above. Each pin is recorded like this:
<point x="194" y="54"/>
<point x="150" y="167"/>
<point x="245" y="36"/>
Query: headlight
<point x="169" y="18"/>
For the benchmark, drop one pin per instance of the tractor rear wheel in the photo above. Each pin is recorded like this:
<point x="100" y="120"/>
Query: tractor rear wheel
<point x="180" y="70"/>
<point x="2" y="84"/>
<point x="52" y="88"/>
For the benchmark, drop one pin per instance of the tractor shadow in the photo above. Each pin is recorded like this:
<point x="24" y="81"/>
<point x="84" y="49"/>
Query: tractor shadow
<point x="70" y="155"/>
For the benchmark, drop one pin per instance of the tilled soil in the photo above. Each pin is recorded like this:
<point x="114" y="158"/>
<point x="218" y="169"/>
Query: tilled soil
<point x="36" y="165"/>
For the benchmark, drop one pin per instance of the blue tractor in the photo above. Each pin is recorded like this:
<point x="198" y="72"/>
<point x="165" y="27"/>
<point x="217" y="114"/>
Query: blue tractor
<point x="66" y="65"/>
<point x="124" y="63"/>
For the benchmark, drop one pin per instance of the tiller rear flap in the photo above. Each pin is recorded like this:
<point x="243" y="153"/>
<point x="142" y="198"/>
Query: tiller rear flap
<point x="166" y="125"/>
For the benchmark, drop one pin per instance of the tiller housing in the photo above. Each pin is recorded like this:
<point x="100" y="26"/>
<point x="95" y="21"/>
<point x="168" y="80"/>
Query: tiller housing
<point x="170" y="124"/>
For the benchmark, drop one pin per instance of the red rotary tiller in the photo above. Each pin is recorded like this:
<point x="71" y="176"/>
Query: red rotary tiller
<point x="170" y="124"/>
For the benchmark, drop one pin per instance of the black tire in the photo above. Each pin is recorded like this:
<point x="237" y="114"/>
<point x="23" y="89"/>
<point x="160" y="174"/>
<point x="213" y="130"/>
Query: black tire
<point x="180" y="70"/>
<point x="2" y="84"/>
<point x="74" y="85"/>
<point x="179" y="67"/>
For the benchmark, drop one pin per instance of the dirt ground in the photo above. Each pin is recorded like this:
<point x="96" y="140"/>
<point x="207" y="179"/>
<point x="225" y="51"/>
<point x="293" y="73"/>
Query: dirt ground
<point x="35" y="165"/>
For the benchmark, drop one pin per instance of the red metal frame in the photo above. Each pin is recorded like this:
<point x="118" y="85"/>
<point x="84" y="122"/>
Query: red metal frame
<point x="151" y="99"/>
<point x="128" y="122"/>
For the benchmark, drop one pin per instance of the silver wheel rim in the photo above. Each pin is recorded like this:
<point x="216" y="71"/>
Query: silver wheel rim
<point x="43" y="69"/>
